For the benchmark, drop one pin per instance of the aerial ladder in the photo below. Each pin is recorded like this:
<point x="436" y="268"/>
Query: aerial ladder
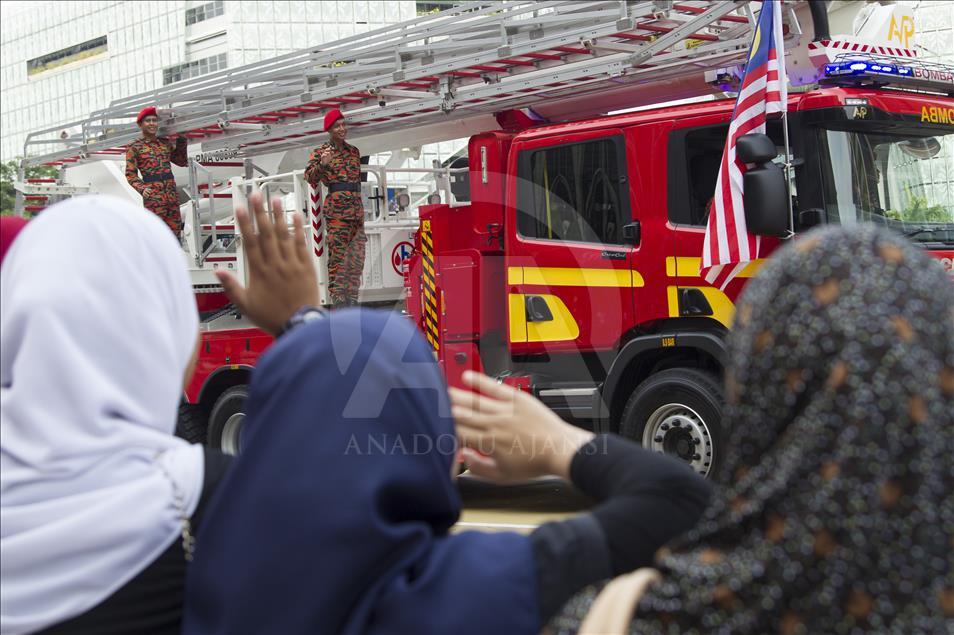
<point x="475" y="67"/>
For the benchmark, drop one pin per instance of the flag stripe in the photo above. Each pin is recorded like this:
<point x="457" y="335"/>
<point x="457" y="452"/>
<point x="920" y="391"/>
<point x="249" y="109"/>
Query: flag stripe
<point x="728" y="247"/>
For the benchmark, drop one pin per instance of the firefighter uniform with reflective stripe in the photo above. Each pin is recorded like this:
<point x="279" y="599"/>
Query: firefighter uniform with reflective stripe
<point x="157" y="186"/>
<point x="344" y="218"/>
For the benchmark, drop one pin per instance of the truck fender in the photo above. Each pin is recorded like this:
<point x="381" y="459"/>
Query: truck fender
<point x="218" y="381"/>
<point x="709" y="343"/>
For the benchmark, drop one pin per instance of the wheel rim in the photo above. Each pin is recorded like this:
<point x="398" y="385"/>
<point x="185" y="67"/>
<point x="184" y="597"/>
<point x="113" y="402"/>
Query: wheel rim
<point x="232" y="433"/>
<point x="679" y="431"/>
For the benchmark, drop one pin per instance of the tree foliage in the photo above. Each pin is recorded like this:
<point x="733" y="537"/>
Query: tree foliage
<point x="918" y="210"/>
<point x="8" y="174"/>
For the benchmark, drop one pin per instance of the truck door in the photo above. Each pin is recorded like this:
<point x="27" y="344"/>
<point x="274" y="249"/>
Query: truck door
<point x="694" y="155"/>
<point x="569" y="281"/>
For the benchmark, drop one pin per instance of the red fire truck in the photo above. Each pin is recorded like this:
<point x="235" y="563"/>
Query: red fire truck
<point x="574" y="272"/>
<point x="570" y="267"/>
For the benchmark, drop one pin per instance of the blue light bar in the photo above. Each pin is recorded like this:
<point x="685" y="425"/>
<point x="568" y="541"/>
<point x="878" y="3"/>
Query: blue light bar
<point x="862" y="67"/>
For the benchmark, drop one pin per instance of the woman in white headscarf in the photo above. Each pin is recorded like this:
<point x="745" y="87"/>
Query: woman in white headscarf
<point x="98" y="333"/>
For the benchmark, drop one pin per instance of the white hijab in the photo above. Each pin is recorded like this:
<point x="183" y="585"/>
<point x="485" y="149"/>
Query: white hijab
<point x="97" y="326"/>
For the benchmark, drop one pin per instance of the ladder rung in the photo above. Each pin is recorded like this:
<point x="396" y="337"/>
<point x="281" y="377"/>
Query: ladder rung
<point x="34" y="208"/>
<point x="572" y="49"/>
<point x="543" y="56"/>
<point x="491" y="69"/>
<point x="633" y="36"/>
<point x="41" y="180"/>
<point x="216" y="196"/>
<point x="36" y="198"/>
<point x="517" y="62"/>
<point x="697" y="10"/>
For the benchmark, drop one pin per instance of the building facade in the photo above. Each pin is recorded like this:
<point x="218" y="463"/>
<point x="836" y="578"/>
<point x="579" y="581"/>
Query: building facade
<point x="62" y="60"/>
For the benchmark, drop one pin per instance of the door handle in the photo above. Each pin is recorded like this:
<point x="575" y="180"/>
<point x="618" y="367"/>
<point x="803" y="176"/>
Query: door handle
<point x="632" y="233"/>
<point x="537" y="309"/>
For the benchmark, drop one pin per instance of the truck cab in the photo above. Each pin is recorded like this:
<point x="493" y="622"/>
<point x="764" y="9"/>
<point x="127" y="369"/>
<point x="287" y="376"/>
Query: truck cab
<point x="573" y="273"/>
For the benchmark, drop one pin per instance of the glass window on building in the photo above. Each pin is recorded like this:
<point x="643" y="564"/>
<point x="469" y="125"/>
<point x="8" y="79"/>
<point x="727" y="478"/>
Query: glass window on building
<point x="204" y="12"/>
<point x="70" y="54"/>
<point x="188" y="70"/>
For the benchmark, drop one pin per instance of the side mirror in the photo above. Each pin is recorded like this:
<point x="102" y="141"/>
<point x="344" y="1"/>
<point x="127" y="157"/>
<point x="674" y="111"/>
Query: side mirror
<point x="766" y="200"/>
<point x="755" y="148"/>
<point x="766" y="193"/>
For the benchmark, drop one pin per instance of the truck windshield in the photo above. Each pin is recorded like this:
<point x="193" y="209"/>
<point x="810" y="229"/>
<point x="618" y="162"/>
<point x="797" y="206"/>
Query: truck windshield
<point x="903" y="181"/>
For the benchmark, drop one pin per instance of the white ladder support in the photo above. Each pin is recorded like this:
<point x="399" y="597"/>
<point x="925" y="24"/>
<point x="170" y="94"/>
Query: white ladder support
<point x="49" y="189"/>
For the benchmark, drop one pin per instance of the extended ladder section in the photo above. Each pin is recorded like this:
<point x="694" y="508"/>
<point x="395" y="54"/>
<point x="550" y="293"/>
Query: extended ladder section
<point x="431" y="76"/>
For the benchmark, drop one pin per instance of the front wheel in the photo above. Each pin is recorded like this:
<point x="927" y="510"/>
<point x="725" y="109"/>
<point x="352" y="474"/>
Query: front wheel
<point x="226" y="420"/>
<point x="679" y="412"/>
<point x="192" y="422"/>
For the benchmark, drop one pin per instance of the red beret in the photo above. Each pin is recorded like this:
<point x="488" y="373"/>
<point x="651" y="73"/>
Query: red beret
<point x="331" y="117"/>
<point x="145" y="112"/>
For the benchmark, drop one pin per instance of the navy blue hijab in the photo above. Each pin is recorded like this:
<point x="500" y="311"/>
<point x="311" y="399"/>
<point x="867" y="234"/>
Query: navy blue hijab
<point x="335" y="517"/>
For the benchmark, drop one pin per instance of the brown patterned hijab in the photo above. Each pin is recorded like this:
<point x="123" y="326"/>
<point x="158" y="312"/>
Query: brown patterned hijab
<point x="838" y="510"/>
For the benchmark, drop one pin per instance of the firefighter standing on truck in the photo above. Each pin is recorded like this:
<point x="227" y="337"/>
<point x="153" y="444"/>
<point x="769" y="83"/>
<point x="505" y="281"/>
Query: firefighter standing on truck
<point x="150" y="156"/>
<point x="338" y="165"/>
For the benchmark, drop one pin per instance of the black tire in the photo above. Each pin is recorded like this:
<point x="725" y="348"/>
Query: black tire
<point x="193" y="422"/>
<point x="225" y="422"/>
<point x="679" y="412"/>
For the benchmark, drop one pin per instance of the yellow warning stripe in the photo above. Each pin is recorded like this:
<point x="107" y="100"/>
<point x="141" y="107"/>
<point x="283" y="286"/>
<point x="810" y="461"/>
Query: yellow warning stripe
<point x="688" y="267"/>
<point x="429" y="288"/>
<point x="574" y="277"/>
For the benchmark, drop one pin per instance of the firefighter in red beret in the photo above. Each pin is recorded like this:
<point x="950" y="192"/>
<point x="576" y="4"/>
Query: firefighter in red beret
<point x="150" y="156"/>
<point x="337" y="164"/>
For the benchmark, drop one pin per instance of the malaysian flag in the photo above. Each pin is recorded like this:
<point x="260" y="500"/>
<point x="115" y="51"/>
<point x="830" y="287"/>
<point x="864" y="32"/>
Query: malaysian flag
<point x="728" y="245"/>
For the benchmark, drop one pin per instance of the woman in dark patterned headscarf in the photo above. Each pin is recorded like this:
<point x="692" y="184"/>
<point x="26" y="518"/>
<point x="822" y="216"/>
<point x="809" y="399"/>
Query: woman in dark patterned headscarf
<point x="838" y="513"/>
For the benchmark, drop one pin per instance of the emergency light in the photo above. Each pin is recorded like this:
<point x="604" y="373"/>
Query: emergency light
<point x="858" y="69"/>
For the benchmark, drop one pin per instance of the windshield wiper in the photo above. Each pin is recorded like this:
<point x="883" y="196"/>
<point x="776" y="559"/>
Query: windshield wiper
<point x="922" y="230"/>
<point x="944" y="238"/>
